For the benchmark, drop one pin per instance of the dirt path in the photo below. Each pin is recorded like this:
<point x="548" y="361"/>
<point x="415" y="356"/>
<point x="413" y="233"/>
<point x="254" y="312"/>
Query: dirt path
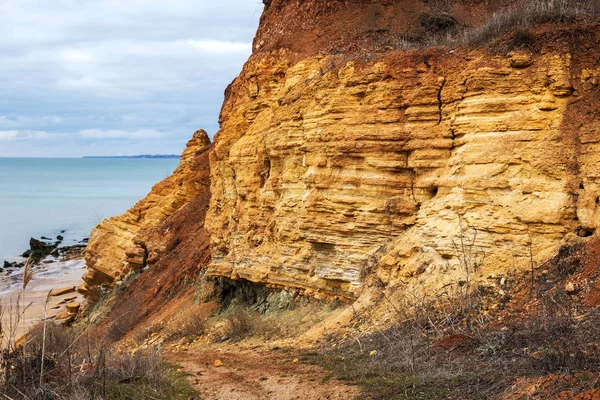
<point x="250" y="374"/>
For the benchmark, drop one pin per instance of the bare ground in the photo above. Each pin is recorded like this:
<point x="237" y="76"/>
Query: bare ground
<point x="256" y="373"/>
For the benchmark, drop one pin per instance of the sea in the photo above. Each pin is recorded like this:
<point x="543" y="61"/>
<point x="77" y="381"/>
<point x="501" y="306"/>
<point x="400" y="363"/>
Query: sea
<point x="69" y="196"/>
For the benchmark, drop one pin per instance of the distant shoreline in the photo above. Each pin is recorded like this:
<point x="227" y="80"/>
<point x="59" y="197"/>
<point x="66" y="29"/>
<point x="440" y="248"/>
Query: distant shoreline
<point x="139" y="156"/>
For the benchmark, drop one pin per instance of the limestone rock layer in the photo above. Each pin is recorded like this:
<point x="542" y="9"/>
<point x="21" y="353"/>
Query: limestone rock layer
<point x="332" y="167"/>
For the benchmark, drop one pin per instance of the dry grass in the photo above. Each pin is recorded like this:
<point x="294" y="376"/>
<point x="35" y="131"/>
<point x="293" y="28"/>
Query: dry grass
<point x="439" y="348"/>
<point x="188" y="323"/>
<point x="441" y="29"/>
<point x="529" y="14"/>
<point x="55" y="362"/>
<point x="240" y="321"/>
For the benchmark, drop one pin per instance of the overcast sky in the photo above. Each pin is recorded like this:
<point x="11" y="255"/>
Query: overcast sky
<point x="116" y="77"/>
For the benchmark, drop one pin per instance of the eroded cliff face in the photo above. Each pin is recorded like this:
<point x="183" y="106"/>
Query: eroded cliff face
<point x="344" y="159"/>
<point x="130" y="241"/>
<point x="330" y="167"/>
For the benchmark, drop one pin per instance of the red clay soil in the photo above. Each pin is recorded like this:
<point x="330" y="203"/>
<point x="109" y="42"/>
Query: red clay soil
<point x="584" y="261"/>
<point x="169" y="278"/>
<point x="552" y="387"/>
<point x="308" y="27"/>
<point x="577" y="265"/>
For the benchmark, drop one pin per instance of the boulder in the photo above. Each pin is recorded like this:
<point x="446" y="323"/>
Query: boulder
<point x="37" y="245"/>
<point x="73" y="308"/>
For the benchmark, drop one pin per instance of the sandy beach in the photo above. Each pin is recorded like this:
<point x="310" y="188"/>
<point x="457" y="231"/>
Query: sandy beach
<point x="47" y="277"/>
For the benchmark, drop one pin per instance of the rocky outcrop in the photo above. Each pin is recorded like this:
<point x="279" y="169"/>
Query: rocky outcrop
<point x="328" y="167"/>
<point x="127" y="242"/>
<point x="343" y="155"/>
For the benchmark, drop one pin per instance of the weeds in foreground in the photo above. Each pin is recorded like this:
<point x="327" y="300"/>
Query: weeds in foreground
<point x="55" y="362"/>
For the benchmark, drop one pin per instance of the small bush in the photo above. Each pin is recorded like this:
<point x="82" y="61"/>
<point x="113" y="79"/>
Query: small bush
<point x="189" y="323"/>
<point x="522" y="39"/>
<point x="437" y="23"/>
<point x="240" y="321"/>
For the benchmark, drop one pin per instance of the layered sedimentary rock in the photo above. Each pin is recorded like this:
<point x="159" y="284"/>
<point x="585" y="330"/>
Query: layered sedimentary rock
<point x="328" y="167"/>
<point x="343" y="155"/>
<point x="128" y="242"/>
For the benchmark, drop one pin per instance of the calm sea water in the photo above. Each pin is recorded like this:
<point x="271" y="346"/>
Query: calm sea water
<point x="42" y="197"/>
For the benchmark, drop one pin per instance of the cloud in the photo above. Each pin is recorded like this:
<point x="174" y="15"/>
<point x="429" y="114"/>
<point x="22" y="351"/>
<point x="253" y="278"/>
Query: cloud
<point x="144" y="134"/>
<point x="103" y="75"/>
<point x="7" y="122"/>
<point x="8" y="135"/>
<point x="22" y="135"/>
<point x="219" y="46"/>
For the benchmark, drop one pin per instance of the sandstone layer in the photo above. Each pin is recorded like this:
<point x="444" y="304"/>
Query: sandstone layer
<point x="127" y="242"/>
<point x="343" y="157"/>
<point x="328" y="167"/>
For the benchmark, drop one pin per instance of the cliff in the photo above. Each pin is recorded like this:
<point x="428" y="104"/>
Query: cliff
<point x="353" y="157"/>
<point x="129" y="242"/>
<point x="351" y="152"/>
<point x="433" y="163"/>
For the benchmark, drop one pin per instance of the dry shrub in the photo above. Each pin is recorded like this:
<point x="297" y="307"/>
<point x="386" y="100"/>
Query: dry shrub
<point x="528" y="14"/>
<point x="446" y="346"/>
<point x="437" y="22"/>
<point x="551" y="337"/>
<point x="120" y="375"/>
<point x="240" y="321"/>
<point x="187" y="323"/>
<point x="78" y="366"/>
<point x="144" y="365"/>
<point x="293" y="322"/>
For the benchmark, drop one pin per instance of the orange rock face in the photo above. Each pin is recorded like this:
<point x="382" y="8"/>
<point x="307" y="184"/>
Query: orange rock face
<point x="342" y="156"/>
<point x="328" y="168"/>
<point x="118" y="244"/>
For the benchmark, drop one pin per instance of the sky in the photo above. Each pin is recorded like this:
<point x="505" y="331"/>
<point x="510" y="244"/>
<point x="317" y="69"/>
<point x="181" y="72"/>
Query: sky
<point x="116" y="77"/>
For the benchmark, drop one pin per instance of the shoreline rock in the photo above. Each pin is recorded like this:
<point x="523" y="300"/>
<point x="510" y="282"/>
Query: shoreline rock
<point x="40" y="249"/>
